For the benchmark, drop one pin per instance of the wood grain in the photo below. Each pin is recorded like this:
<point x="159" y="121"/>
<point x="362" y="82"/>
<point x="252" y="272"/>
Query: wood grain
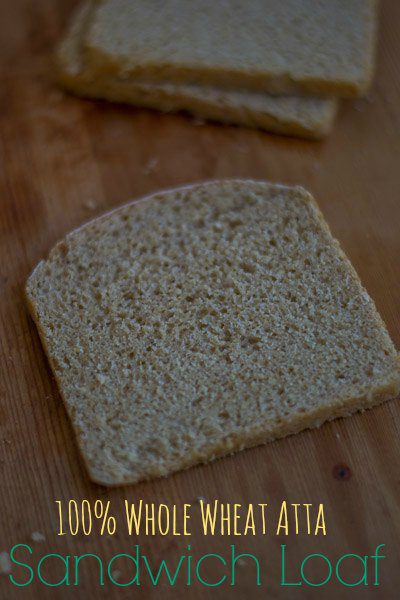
<point x="64" y="160"/>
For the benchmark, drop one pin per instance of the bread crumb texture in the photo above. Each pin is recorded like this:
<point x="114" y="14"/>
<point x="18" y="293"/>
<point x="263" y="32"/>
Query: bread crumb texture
<point x="204" y="320"/>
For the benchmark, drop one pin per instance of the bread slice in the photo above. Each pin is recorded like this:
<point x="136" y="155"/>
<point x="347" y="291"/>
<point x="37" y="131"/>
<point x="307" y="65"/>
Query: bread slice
<point x="324" y="47"/>
<point x="306" y="117"/>
<point x="203" y="320"/>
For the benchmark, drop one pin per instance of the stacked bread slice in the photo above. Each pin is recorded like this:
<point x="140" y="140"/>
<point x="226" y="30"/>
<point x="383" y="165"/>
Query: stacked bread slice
<point x="278" y="66"/>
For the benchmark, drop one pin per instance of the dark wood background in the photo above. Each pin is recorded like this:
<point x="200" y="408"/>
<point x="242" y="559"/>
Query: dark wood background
<point x="64" y="160"/>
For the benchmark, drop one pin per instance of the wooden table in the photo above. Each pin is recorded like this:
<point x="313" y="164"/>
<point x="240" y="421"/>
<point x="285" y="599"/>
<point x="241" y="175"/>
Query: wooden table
<point x="64" y="160"/>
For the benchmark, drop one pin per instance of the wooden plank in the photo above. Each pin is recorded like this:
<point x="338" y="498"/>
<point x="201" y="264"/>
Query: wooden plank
<point x="64" y="160"/>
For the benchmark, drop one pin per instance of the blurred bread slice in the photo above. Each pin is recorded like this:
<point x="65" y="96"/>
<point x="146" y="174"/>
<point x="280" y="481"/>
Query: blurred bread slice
<point x="313" y="46"/>
<point x="306" y="117"/>
<point x="204" y="320"/>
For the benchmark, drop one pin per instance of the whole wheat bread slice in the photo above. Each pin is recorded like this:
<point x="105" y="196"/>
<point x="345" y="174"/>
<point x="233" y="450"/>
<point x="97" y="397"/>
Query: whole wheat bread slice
<point x="306" y="117"/>
<point x="203" y="320"/>
<point x="318" y="47"/>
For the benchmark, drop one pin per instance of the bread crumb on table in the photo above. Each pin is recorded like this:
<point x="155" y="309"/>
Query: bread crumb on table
<point x="150" y="166"/>
<point x="90" y="204"/>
